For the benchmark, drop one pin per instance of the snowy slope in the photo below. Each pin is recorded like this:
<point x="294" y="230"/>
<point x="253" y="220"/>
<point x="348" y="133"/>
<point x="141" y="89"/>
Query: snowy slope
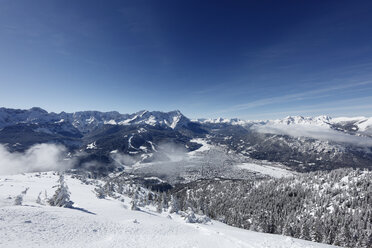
<point x="361" y="124"/>
<point x="109" y="222"/>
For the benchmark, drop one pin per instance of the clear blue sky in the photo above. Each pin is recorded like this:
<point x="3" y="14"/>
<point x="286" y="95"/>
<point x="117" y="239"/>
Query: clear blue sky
<point x="247" y="59"/>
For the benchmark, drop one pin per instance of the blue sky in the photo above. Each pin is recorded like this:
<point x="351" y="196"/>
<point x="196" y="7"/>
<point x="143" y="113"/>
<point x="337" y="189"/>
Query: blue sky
<point x="247" y="59"/>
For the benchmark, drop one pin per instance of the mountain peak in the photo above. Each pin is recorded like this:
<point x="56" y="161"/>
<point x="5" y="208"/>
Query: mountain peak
<point x="38" y="109"/>
<point x="322" y="120"/>
<point x="85" y="121"/>
<point x="175" y="112"/>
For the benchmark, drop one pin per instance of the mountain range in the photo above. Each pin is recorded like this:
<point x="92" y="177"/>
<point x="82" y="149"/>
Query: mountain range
<point x="299" y="143"/>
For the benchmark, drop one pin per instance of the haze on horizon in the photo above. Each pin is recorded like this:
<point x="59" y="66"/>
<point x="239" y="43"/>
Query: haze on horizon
<point x="245" y="59"/>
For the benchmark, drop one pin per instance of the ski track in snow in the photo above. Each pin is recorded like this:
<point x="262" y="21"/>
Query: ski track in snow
<point x="110" y="222"/>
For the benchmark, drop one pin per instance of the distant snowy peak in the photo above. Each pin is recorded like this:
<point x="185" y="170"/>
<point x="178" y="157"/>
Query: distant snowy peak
<point x="290" y="120"/>
<point x="322" y="120"/>
<point x="13" y="116"/>
<point x="85" y="121"/>
<point x="234" y="121"/>
<point x="355" y="124"/>
<point x="359" y="125"/>
<point x="218" y="120"/>
<point x="173" y="119"/>
<point x="362" y="123"/>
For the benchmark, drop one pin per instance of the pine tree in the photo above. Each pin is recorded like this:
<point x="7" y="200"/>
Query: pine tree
<point x="19" y="198"/>
<point x="38" y="200"/>
<point x="134" y="202"/>
<point x="100" y="192"/>
<point x="316" y="232"/>
<point x="304" y="231"/>
<point x="287" y="229"/>
<point x="159" y="207"/>
<point x="190" y="216"/>
<point x="164" y="201"/>
<point x="345" y="236"/>
<point x="174" y="205"/>
<point x="61" y="197"/>
<point x="134" y="205"/>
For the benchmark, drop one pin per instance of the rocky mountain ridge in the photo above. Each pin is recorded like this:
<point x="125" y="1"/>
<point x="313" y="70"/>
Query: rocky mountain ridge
<point x="302" y="143"/>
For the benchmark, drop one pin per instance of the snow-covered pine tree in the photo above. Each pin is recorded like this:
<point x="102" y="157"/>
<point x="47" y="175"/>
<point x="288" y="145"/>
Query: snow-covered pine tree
<point x="345" y="235"/>
<point x="287" y="229"/>
<point x="174" y="207"/>
<point x="134" y="205"/>
<point x="38" y="200"/>
<point x="19" y="198"/>
<point x="164" y="201"/>
<point x="61" y="197"/>
<point x="134" y="201"/>
<point x="190" y="216"/>
<point x="316" y="232"/>
<point x="304" y="230"/>
<point x="159" y="206"/>
<point x="100" y="192"/>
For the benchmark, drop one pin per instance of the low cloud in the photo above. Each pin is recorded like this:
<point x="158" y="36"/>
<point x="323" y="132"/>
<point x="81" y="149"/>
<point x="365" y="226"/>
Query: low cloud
<point x="316" y="132"/>
<point x="169" y="159"/>
<point x="40" y="157"/>
<point x="124" y="159"/>
<point x="174" y="152"/>
<point x="165" y="152"/>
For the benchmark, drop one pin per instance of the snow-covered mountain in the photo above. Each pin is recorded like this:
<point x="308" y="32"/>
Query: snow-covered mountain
<point x="302" y="143"/>
<point x="356" y="125"/>
<point x="86" y="121"/>
<point x="362" y="125"/>
<point x="300" y="120"/>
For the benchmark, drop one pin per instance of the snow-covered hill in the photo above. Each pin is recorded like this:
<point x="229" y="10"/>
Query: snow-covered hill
<point x="108" y="222"/>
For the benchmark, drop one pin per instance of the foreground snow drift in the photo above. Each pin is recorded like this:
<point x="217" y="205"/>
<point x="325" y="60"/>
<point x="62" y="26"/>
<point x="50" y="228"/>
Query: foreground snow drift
<point x="108" y="222"/>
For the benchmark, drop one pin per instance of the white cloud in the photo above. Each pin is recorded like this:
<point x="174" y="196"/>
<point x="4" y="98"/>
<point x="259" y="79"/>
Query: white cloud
<point x="317" y="132"/>
<point x="40" y="157"/>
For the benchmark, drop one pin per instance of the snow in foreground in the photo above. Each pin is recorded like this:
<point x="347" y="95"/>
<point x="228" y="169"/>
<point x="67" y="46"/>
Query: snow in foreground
<point x="109" y="222"/>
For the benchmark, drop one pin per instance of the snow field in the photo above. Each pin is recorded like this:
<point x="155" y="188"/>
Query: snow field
<point x="109" y="222"/>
